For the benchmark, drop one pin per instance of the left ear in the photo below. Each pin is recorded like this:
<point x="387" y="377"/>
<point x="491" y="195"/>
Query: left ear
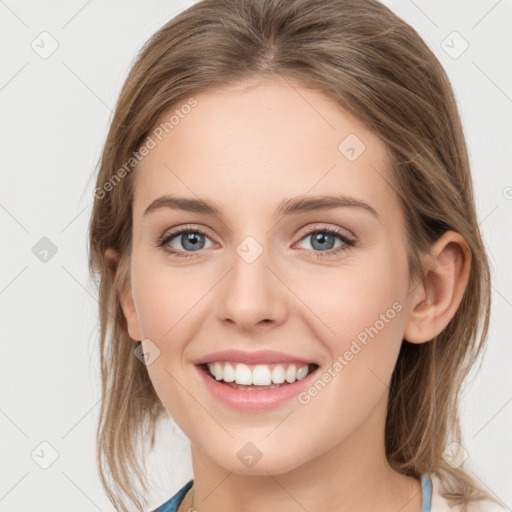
<point x="434" y="301"/>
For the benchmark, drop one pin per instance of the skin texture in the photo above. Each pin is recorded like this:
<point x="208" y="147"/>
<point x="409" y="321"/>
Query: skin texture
<point x="247" y="148"/>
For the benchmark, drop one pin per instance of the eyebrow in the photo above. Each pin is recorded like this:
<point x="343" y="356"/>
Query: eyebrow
<point x="293" y="205"/>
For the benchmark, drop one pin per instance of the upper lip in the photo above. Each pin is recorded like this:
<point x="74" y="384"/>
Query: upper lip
<point x="259" y="357"/>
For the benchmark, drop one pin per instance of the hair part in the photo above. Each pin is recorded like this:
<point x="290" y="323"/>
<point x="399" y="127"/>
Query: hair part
<point x="377" y="68"/>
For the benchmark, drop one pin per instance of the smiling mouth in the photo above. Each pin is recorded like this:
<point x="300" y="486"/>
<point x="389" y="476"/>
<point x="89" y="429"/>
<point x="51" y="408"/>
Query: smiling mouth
<point x="257" y="377"/>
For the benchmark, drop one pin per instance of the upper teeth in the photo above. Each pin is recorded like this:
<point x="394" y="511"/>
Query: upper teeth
<point x="259" y="375"/>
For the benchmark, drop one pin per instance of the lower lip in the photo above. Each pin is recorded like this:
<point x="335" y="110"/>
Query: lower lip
<point x="254" y="400"/>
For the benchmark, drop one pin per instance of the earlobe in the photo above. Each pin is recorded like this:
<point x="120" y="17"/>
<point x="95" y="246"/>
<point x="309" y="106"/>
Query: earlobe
<point x="130" y="313"/>
<point x="435" y="300"/>
<point x="112" y="259"/>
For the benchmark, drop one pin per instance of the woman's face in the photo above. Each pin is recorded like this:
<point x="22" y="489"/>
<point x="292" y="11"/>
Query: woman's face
<point x="321" y="286"/>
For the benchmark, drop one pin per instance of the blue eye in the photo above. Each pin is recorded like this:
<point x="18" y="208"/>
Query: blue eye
<point x="192" y="239"/>
<point x="323" y="237"/>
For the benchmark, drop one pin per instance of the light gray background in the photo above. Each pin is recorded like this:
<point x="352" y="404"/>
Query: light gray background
<point x="55" y="113"/>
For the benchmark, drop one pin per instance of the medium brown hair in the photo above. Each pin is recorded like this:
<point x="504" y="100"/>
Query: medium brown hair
<point x="376" y="67"/>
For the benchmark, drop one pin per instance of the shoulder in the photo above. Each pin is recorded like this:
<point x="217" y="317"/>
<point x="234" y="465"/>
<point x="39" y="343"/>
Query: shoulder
<point x="440" y="504"/>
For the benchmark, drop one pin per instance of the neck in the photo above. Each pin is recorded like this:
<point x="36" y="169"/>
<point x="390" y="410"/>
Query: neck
<point x="352" y="476"/>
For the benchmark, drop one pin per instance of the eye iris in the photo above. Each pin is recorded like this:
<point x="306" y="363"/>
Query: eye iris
<point x="321" y="238"/>
<point x="192" y="238"/>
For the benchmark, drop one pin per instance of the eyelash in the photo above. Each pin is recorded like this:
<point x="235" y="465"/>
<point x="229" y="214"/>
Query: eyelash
<point x="348" y="242"/>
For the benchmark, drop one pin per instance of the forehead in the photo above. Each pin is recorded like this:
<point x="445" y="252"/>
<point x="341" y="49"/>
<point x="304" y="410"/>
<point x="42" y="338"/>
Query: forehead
<point x="260" y="142"/>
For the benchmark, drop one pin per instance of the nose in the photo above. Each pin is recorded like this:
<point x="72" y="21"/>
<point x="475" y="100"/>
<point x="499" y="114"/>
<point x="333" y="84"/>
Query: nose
<point x="252" y="295"/>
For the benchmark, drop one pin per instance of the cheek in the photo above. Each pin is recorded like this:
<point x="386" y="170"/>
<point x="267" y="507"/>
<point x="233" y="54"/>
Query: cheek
<point x="166" y="301"/>
<point x="364" y="313"/>
<point x="168" y="308"/>
<point x="360" y="319"/>
<point x="349" y="301"/>
<point x="167" y="314"/>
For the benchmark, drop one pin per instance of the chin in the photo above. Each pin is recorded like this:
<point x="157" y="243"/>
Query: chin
<point x="277" y="463"/>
